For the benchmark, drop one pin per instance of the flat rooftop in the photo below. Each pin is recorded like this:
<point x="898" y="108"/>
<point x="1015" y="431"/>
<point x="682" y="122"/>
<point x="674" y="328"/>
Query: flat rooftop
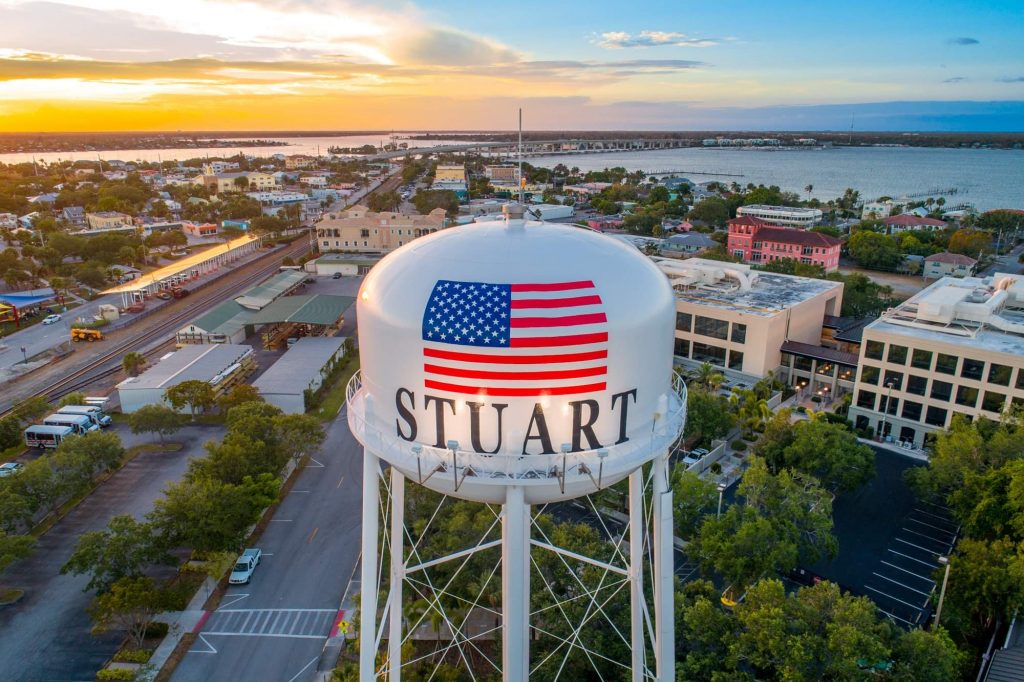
<point x="322" y="309"/>
<point x="190" y="261"/>
<point x="230" y="316"/>
<point x="202" y="363"/>
<point x="977" y="312"/>
<point x="299" y="366"/>
<point x="708" y="283"/>
<point x="265" y="293"/>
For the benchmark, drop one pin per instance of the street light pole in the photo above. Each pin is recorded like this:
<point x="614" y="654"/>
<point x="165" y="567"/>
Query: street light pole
<point x="24" y="355"/>
<point x="944" y="560"/>
<point x="721" y="491"/>
<point x="885" y="410"/>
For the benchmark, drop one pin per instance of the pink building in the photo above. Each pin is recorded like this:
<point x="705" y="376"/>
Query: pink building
<point x="755" y="241"/>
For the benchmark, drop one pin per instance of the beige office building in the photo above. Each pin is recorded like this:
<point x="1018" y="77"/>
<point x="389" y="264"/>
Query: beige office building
<point x="957" y="347"/>
<point x="361" y="230"/>
<point x="450" y="174"/>
<point x="743" y="320"/>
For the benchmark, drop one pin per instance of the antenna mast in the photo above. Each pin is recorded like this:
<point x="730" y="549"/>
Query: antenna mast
<point x="520" y="155"/>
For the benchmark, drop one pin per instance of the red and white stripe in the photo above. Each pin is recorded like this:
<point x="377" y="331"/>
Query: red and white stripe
<point x="558" y="346"/>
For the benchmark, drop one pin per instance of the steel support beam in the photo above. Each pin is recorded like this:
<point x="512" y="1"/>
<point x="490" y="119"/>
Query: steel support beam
<point x="368" y="576"/>
<point x="515" y="584"/>
<point x="397" y="575"/>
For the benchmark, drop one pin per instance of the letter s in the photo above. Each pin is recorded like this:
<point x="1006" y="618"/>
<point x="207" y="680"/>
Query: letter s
<point x="406" y="414"/>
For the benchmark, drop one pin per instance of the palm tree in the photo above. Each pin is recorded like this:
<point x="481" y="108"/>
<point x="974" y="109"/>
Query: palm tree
<point x="709" y="377"/>
<point x="809" y="189"/>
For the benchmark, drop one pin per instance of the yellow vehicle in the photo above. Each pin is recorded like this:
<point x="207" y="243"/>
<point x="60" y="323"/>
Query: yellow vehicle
<point x="86" y="335"/>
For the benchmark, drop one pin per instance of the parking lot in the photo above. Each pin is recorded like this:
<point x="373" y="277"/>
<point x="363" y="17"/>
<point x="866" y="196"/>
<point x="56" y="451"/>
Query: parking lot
<point x="889" y="543"/>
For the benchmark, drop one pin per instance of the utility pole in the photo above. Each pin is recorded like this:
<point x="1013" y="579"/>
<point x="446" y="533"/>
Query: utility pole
<point x="944" y="560"/>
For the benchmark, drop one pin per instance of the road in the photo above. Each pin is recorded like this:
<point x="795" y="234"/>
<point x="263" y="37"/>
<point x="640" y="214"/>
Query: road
<point x="275" y="627"/>
<point x="1006" y="263"/>
<point x="46" y="636"/>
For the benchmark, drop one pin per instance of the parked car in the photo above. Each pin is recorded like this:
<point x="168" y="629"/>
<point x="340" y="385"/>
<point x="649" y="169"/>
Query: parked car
<point x="689" y="459"/>
<point x="10" y="468"/>
<point x="241" y="574"/>
<point x="51" y="319"/>
<point x="336" y="275"/>
<point x="164" y="294"/>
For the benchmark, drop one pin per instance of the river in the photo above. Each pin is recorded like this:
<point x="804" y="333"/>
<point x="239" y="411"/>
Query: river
<point x="986" y="178"/>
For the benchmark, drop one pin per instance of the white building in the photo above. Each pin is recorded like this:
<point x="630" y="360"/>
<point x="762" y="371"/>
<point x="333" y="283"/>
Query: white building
<point x="302" y="368"/>
<point x="217" y="167"/>
<point x="220" y="365"/>
<point x="278" y="198"/>
<point x="313" y="180"/>
<point x="785" y="216"/>
<point x="740" y="319"/>
<point x="956" y="347"/>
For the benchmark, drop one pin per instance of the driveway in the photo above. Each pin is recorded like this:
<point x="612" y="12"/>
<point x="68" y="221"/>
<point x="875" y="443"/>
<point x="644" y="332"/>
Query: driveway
<point x="46" y="636"/>
<point x="275" y="627"/>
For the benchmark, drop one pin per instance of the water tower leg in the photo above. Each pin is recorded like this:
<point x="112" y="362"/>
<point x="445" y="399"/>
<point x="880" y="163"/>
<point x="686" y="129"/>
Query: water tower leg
<point x="368" y="577"/>
<point x="664" y="617"/>
<point x="515" y="584"/>
<point x="636" y="572"/>
<point x="397" y="575"/>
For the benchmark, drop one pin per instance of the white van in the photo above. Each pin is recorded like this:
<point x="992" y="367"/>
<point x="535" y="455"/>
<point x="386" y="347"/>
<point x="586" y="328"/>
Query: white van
<point x="93" y="412"/>
<point x="81" y="423"/>
<point x="46" y="437"/>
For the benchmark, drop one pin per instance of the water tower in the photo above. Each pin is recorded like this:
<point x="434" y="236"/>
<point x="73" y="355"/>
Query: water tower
<point x="518" y="363"/>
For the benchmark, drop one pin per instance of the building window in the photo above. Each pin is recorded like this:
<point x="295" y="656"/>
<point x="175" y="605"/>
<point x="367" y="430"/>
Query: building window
<point x="889" y="405"/>
<point x="683" y="321"/>
<point x="709" y="326"/>
<point x="966" y="396"/>
<point x="364" y="233"/>
<point x="739" y="333"/>
<point x="972" y="369"/>
<point x="936" y="416"/>
<point x="873" y="350"/>
<point x="917" y="385"/>
<point x="682" y="348"/>
<point x="866" y="399"/>
<point x="703" y="352"/>
<point x="921" y="359"/>
<point x="993" y="402"/>
<point x="894" y="380"/>
<point x="898" y="355"/>
<point x="869" y="375"/>
<point x="999" y="374"/>
<point x="912" y="410"/>
<point x="941" y="390"/>
<point x="736" y="360"/>
<point x="946" y="363"/>
<point x="801" y="363"/>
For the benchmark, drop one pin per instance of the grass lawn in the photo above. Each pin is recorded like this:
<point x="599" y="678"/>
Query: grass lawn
<point x="334" y="396"/>
<point x="9" y="595"/>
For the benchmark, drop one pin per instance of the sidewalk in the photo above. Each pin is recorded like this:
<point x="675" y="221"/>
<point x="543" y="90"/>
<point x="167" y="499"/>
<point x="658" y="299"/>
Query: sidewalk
<point x="179" y="623"/>
<point x="347" y="614"/>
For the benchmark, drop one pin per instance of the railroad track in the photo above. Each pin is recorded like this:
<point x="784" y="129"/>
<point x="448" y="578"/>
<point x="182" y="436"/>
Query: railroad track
<point x="108" y="363"/>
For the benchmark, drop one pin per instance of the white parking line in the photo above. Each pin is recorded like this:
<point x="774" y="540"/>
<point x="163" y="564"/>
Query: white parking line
<point x="897" y="582"/>
<point x="892" y="615"/>
<point x="940" y="518"/>
<point x="928" y="537"/>
<point x="913" y="606"/>
<point x="907" y="556"/>
<point x="304" y="669"/>
<point x="941" y="530"/>
<point x="923" y="549"/>
<point x="264" y="634"/>
<point x="919" y="577"/>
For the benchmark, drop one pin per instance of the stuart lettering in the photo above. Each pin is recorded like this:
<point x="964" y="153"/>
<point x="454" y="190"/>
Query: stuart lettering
<point x="474" y="426"/>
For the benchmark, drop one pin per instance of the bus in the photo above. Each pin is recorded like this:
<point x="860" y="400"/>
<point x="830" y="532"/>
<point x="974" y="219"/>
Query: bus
<point x="81" y="423"/>
<point x="46" y="436"/>
<point x="92" y="411"/>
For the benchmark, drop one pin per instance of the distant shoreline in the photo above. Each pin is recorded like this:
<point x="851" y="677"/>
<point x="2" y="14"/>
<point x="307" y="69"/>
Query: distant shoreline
<point x="49" y="143"/>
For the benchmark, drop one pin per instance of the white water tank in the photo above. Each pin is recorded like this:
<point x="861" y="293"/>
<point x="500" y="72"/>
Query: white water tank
<point x="516" y="352"/>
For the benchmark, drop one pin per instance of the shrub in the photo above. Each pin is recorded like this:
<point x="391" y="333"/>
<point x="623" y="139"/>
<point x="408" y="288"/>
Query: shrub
<point x="155" y="630"/>
<point x="716" y="468"/>
<point x="801" y="409"/>
<point x="738" y="444"/>
<point x="816" y="399"/>
<point x="115" y="675"/>
<point x="133" y="656"/>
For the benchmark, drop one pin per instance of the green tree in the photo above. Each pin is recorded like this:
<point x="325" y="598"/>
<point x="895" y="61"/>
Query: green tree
<point x="299" y="434"/>
<point x="831" y="453"/>
<point x="873" y="250"/>
<point x="427" y="200"/>
<point x="241" y="183"/>
<point x="14" y="547"/>
<point x="208" y="515"/>
<point x="862" y="296"/>
<point x="971" y="242"/>
<point x="195" y="394"/>
<point x="76" y="398"/>
<point x="238" y="395"/>
<point x="711" y="210"/>
<point x="927" y="656"/>
<point x="986" y="583"/>
<point x="384" y="201"/>
<point x="659" y="193"/>
<point x="131" y="605"/>
<point x="709" y="377"/>
<point x="707" y="415"/>
<point x="693" y="497"/>
<point x="31" y="409"/>
<point x="123" y="550"/>
<point x="158" y="419"/>
<point x="132" y="362"/>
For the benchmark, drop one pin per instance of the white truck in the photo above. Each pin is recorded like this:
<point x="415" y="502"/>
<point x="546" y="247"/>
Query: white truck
<point x="92" y="411"/>
<point x="246" y="564"/>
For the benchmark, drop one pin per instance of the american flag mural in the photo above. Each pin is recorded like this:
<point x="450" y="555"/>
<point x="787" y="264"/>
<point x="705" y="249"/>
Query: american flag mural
<point x="515" y="340"/>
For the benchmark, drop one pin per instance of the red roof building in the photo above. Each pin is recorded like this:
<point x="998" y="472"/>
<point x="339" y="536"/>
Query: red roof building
<point x="755" y="241"/>
<point x="909" y="221"/>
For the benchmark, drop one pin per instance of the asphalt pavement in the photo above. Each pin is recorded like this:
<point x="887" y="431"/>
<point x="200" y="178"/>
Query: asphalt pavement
<point x="46" y="636"/>
<point x="275" y="627"/>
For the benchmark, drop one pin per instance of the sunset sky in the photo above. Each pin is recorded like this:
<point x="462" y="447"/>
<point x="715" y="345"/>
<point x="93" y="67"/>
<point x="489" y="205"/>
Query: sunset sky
<point x="442" y="64"/>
